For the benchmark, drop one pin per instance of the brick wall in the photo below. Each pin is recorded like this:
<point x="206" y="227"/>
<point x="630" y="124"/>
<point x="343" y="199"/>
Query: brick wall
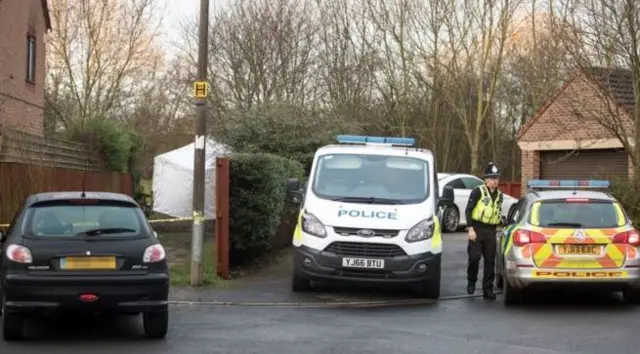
<point x="21" y="102"/>
<point x="530" y="168"/>
<point x="561" y="119"/>
<point x="570" y="116"/>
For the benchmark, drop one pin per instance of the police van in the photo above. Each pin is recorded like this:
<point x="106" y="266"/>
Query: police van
<point x="369" y="214"/>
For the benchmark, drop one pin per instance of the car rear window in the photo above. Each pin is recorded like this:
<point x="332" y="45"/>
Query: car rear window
<point x="577" y="213"/>
<point x="83" y="218"/>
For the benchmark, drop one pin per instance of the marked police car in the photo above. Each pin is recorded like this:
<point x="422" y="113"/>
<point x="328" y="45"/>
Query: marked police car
<point x="568" y="237"/>
<point x="368" y="214"/>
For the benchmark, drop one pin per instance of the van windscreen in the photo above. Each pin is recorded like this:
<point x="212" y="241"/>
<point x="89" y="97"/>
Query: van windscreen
<point x="388" y="179"/>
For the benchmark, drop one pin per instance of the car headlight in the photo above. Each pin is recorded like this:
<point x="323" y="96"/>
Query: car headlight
<point x="313" y="226"/>
<point x="421" y="231"/>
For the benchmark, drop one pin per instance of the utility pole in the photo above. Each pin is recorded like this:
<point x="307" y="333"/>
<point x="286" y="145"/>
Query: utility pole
<point x="200" y="92"/>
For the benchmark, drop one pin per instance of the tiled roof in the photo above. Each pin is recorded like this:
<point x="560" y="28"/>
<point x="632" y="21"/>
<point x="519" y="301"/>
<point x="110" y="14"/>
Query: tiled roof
<point x="617" y="82"/>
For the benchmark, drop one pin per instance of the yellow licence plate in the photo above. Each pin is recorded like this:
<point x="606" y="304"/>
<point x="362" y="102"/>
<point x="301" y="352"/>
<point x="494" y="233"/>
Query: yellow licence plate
<point x="79" y="263"/>
<point x="578" y="250"/>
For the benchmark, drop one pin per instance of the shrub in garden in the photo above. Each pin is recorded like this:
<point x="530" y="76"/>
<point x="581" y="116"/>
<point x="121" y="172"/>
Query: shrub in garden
<point x="258" y="197"/>
<point x="628" y="193"/>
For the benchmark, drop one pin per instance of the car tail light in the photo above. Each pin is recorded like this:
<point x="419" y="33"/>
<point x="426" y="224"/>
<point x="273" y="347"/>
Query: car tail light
<point x="154" y="253"/>
<point x="525" y="237"/>
<point x="631" y="237"/>
<point x="19" y="254"/>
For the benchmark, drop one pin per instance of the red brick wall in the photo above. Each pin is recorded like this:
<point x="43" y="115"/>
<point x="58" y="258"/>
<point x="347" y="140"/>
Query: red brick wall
<point x="530" y="168"/>
<point x="561" y="121"/>
<point x="21" y="102"/>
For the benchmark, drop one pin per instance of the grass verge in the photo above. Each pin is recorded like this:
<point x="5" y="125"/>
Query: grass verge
<point x="178" y="247"/>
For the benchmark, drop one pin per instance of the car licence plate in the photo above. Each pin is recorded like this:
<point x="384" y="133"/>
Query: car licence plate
<point x="578" y="250"/>
<point x="82" y="263"/>
<point x="363" y="263"/>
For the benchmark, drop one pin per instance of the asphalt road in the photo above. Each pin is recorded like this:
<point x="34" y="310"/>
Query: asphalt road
<point x="552" y="323"/>
<point x="273" y="284"/>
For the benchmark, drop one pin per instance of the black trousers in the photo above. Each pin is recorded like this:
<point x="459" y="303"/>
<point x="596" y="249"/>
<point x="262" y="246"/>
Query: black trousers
<point x="484" y="246"/>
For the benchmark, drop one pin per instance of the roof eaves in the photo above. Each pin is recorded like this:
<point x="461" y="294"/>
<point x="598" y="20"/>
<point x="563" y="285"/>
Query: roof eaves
<point x="46" y="14"/>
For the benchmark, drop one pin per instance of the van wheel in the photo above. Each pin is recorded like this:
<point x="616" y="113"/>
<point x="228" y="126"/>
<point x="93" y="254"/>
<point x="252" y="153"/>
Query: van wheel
<point x="156" y="323"/>
<point x="12" y="325"/>
<point x="512" y="296"/>
<point x="299" y="283"/>
<point x="631" y="297"/>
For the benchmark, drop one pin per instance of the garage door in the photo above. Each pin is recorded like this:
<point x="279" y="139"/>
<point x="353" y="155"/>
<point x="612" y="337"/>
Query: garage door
<point x="583" y="164"/>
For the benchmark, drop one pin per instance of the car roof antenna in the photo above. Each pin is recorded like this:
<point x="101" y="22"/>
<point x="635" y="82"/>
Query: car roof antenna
<point x="84" y="179"/>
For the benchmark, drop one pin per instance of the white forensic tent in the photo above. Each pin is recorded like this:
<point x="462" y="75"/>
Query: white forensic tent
<point x="173" y="180"/>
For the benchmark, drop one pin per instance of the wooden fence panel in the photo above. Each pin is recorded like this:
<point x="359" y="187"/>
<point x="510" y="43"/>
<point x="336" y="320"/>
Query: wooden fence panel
<point x="17" y="181"/>
<point x="21" y="147"/>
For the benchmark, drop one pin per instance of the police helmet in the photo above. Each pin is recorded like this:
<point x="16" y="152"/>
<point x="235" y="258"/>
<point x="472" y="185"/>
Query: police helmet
<point x="491" y="171"/>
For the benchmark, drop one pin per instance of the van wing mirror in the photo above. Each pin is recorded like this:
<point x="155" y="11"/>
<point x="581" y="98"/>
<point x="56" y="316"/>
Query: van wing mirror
<point x="447" y="194"/>
<point x="293" y="185"/>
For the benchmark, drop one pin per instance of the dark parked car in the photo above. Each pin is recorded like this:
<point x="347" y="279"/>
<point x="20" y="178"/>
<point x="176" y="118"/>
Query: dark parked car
<point x="86" y="252"/>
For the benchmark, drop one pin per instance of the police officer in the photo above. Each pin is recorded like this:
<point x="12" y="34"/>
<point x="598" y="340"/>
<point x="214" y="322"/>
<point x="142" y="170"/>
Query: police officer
<point x="483" y="213"/>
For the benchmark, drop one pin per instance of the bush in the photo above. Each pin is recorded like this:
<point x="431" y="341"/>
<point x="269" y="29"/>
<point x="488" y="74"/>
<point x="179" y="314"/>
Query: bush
<point x="117" y="145"/>
<point x="284" y="130"/>
<point x="258" y="198"/>
<point x="628" y="193"/>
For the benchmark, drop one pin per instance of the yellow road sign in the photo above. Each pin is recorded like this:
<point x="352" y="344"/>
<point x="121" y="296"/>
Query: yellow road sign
<point x="200" y="89"/>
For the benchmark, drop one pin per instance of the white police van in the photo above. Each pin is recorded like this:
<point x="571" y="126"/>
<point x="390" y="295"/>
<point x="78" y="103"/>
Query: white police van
<point x="369" y="214"/>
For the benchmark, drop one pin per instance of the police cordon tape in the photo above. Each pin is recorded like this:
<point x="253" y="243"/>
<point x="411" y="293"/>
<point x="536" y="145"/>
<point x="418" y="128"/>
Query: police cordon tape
<point x="152" y="221"/>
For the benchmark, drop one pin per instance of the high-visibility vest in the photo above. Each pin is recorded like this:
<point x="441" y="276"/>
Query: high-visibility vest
<point x="488" y="211"/>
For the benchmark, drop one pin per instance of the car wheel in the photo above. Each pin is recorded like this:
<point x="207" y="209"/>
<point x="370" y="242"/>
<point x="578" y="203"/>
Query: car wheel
<point x="450" y="219"/>
<point x="631" y="297"/>
<point x="12" y="325"/>
<point x="430" y="288"/>
<point x="299" y="283"/>
<point x="511" y="295"/>
<point x="156" y="323"/>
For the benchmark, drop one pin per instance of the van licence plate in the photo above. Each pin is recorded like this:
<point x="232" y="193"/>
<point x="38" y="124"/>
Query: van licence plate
<point x="363" y="263"/>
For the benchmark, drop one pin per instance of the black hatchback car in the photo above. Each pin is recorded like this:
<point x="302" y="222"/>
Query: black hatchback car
<point x="88" y="252"/>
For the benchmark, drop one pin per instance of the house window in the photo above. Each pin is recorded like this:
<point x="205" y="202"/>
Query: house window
<point x="31" y="58"/>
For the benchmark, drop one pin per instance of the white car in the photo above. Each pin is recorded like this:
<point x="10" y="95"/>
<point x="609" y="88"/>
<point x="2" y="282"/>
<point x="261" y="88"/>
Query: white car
<point x="453" y="214"/>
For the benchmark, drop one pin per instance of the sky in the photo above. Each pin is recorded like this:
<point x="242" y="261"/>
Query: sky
<point x="178" y="11"/>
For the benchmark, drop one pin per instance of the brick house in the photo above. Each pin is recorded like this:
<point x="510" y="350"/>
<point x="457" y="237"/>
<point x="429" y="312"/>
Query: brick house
<point x="567" y="139"/>
<point x="23" y="26"/>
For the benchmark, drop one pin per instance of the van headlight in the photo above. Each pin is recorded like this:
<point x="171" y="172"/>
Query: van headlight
<point x="313" y="226"/>
<point x="421" y="231"/>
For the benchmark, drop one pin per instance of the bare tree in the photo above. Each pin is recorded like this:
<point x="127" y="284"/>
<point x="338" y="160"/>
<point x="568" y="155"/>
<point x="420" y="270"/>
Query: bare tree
<point x="477" y="34"/>
<point x="347" y="60"/>
<point x="100" y="54"/>
<point x="607" y="36"/>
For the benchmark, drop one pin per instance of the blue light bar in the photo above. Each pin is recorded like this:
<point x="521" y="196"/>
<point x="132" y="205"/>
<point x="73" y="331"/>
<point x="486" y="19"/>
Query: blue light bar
<point x="361" y="139"/>
<point x="568" y="184"/>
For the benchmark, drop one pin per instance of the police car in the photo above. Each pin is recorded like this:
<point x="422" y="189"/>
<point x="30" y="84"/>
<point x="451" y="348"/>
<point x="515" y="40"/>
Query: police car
<point x="568" y="234"/>
<point x="368" y="214"/>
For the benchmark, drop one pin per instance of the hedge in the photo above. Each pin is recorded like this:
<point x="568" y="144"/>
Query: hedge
<point x="628" y="194"/>
<point x="258" y="198"/>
